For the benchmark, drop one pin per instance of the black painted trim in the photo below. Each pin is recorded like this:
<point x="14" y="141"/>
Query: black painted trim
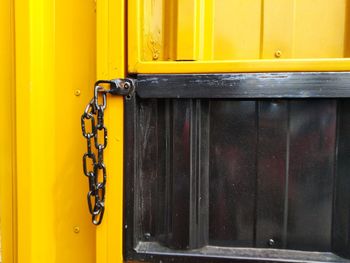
<point x="248" y="85"/>
<point x="129" y="234"/>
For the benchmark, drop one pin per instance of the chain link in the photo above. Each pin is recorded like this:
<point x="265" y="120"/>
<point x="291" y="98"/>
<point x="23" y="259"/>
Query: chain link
<point x="95" y="168"/>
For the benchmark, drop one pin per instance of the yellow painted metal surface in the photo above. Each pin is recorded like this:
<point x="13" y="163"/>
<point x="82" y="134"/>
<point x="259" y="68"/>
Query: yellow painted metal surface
<point x="48" y="62"/>
<point x="111" y="65"/>
<point x="7" y="134"/>
<point x="238" y="36"/>
<point x="48" y="65"/>
<point x="48" y="53"/>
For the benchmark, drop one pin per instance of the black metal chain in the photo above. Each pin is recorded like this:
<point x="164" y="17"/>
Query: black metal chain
<point x="95" y="168"/>
<point x="96" y="194"/>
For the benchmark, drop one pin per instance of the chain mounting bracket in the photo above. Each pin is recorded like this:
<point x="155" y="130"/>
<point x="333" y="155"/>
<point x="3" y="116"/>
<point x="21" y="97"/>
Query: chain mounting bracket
<point x="93" y="116"/>
<point x="122" y="87"/>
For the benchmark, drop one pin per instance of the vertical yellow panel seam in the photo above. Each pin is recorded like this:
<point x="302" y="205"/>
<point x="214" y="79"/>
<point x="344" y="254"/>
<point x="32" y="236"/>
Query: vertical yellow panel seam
<point x="14" y="143"/>
<point x="262" y="22"/>
<point x="294" y="28"/>
<point x="208" y="18"/>
<point x="134" y="32"/>
<point x="347" y="31"/>
<point x="187" y="30"/>
<point x="7" y="173"/>
<point x="169" y="22"/>
<point x="199" y="30"/>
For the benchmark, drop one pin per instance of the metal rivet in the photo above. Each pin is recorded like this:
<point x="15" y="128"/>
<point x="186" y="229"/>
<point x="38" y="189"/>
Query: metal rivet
<point x="278" y="53"/>
<point x="76" y="229"/>
<point x="155" y="56"/>
<point x="147" y="236"/>
<point x="271" y="242"/>
<point x="77" y="92"/>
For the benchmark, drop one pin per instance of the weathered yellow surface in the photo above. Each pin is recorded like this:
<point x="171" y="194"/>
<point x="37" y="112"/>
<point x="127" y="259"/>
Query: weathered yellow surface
<point x="234" y="35"/>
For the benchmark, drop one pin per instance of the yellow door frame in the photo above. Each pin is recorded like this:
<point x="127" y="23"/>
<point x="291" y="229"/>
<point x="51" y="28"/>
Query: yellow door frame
<point x="111" y="61"/>
<point x="7" y="134"/>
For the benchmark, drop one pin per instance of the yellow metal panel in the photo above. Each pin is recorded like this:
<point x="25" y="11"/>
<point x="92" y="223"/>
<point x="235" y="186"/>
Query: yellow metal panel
<point x="240" y="36"/>
<point x="170" y="35"/>
<point x="153" y="31"/>
<point x="347" y="30"/>
<point x="55" y="58"/>
<point x="110" y="65"/>
<point x="320" y="28"/>
<point x="167" y="46"/>
<point x="206" y="37"/>
<point x="75" y="71"/>
<point x="35" y="131"/>
<point x="134" y="35"/>
<point x="237" y="36"/>
<point x="7" y="134"/>
<point x="186" y="37"/>
<point x="278" y="26"/>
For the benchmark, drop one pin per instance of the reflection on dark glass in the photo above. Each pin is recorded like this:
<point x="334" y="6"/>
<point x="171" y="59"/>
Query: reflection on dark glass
<point x="311" y="174"/>
<point x="147" y="167"/>
<point x="232" y="172"/>
<point x="341" y="216"/>
<point x="242" y="173"/>
<point x="271" y="170"/>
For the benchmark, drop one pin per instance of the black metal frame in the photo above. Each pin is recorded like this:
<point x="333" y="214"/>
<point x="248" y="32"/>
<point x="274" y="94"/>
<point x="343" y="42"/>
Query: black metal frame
<point x="249" y="85"/>
<point x="233" y="86"/>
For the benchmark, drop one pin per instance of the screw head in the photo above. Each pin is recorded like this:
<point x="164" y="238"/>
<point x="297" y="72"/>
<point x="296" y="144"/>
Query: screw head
<point x="271" y="242"/>
<point x="77" y="92"/>
<point x="147" y="236"/>
<point x="155" y="56"/>
<point x="278" y="53"/>
<point x="76" y="229"/>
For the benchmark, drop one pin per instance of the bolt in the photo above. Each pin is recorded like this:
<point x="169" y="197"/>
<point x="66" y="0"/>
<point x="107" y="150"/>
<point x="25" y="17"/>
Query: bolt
<point x="126" y="85"/>
<point x="271" y="242"/>
<point x="77" y="92"/>
<point x="155" y="56"/>
<point x="76" y="229"/>
<point x="147" y="236"/>
<point x="278" y="53"/>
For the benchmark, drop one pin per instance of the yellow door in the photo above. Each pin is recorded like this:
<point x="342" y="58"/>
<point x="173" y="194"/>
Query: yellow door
<point x="53" y="51"/>
<point x="213" y="36"/>
<point x="237" y="36"/>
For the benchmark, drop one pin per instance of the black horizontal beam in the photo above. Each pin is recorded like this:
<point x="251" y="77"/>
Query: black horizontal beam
<point x="248" y="85"/>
